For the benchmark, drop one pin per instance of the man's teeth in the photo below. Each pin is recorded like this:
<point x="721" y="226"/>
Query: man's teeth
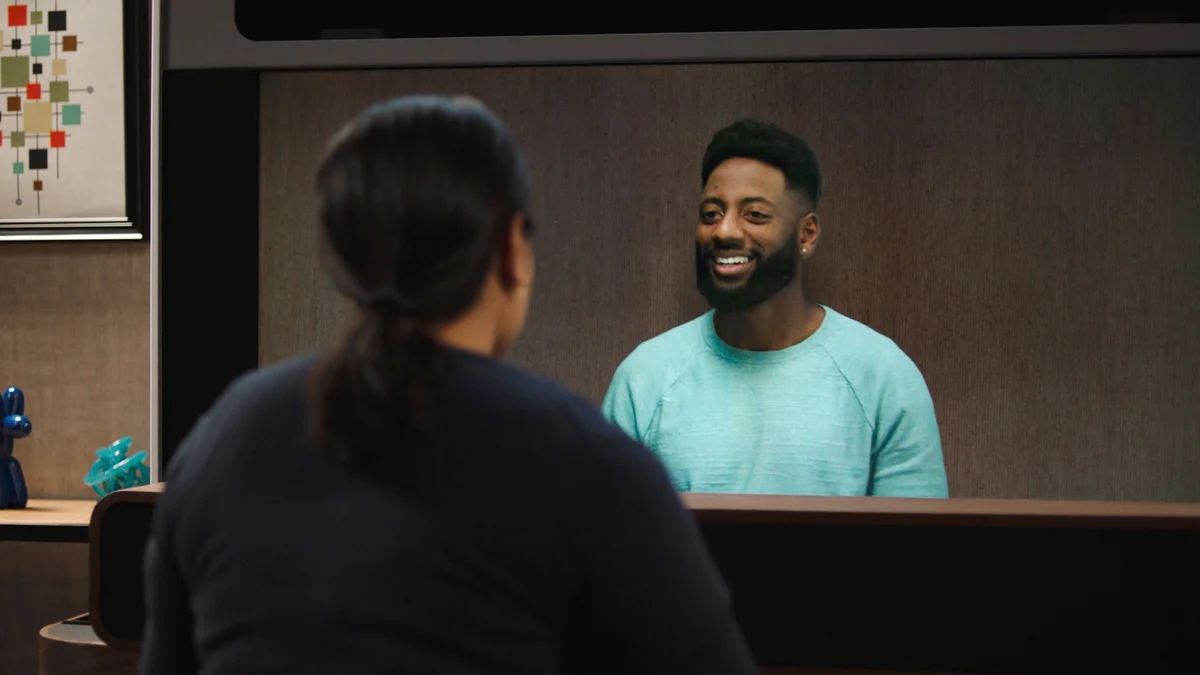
<point x="735" y="260"/>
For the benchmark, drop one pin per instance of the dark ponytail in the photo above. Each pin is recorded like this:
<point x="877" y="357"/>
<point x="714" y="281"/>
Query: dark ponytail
<point x="416" y="198"/>
<point x="375" y="386"/>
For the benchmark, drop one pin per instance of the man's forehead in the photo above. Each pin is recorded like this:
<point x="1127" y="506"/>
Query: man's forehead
<point x="739" y="176"/>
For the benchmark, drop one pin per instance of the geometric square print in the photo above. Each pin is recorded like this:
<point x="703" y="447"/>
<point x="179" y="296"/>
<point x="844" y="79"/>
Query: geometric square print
<point x="37" y="186"/>
<point x="39" y="117"/>
<point x="14" y="71"/>
<point x="33" y="91"/>
<point x="58" y="21"/>
<point x="17" y="139"/>
<point x="35" y="18"/>
<point x="18" y="168"/>
<point x="39" y="45"/>
<point x="39" y="160"/>
<point x="72" y="115"/>
<point x="60" y="91"/>
<point x="18" y="15"/>
<point x="70" y="43"/>
<point x="58" y="67"/>
<point x="58" y="139"/>
<point x="13" y="104"/>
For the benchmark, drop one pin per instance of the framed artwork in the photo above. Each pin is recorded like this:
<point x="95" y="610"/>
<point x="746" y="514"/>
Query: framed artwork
<point x="74" y="119"/>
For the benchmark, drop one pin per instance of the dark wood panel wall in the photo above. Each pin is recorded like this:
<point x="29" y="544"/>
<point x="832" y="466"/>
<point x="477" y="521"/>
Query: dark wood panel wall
<point x="1026" y="230"/>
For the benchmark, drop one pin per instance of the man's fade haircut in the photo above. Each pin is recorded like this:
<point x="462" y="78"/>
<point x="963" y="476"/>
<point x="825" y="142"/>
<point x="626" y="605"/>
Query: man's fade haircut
<point x="764" y="142"/>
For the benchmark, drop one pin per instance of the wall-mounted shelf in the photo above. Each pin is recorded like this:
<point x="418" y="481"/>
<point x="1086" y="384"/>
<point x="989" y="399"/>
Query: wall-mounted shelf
<point x="50" y="520"/>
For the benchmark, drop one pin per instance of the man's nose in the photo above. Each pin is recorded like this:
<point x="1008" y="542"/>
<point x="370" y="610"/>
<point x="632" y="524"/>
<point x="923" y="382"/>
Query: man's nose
<point x="728" y="229"/>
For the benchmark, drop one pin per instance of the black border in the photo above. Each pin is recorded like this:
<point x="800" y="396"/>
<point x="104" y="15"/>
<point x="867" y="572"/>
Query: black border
<point x="139" y="27"/>
<point x="136" y="26"/>
<point x="275" y="20"/>
<point x="208" y="242"/>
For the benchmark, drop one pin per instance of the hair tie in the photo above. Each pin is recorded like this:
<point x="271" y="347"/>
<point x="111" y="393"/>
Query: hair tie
<point x="384" y="303"/>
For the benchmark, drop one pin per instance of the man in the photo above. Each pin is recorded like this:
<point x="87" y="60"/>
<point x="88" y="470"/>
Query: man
<point x="771" y="393"/>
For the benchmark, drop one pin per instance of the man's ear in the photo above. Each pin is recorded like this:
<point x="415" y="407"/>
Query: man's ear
<point x="516" y="256"/>
<point x="810" y="234"/>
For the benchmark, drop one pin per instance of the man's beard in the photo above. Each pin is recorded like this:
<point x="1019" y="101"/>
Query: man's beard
<point x="772" y="273"/>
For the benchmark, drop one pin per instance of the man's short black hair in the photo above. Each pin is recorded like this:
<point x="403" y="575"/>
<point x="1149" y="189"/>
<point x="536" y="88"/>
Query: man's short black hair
<point x="767" y="143"/>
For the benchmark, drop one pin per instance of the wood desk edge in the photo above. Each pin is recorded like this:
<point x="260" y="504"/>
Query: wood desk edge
<point x="716" y="508"/>
<point x="966" y="512"/>
<point x="50" y="513"/>
<point x="784" y="508"/>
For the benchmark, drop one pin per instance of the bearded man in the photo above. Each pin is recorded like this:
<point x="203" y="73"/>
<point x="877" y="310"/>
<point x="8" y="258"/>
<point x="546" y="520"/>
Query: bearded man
<point x="771" y="393"/>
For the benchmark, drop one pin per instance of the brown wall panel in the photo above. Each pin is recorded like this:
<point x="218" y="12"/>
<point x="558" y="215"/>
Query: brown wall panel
<point x="75" y="338"/>
<point x="1025" y="230"/>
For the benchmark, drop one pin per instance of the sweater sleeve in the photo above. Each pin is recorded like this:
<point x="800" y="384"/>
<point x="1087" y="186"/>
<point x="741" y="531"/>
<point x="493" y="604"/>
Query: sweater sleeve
<point x="907" y="447"/>
<point x="620" y="406"/>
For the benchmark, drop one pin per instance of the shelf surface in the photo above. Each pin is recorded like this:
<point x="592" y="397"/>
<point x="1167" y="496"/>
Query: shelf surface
<point x="56" y="520"/>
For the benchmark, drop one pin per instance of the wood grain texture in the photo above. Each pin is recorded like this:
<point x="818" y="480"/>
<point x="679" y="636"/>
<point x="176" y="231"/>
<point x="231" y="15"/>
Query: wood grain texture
<point x="75" y="338"/>
<point x="959" y="512"/>
<point x="1025" y="230"/>
<point x="50" y="513"/>
<point x="41" y="584"/>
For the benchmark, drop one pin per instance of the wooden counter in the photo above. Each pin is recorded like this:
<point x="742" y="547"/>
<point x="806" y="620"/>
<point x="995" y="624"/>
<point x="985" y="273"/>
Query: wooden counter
<point x="958" y="585"/>
<point x="43" y="573"/>
<point x="57" y="520"/>
<point x="844" y="585"/>
<point x="721" y="508"/>
<point x="793" y="509"/>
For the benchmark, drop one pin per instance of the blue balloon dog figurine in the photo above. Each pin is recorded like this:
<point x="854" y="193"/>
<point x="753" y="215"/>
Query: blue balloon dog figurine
<point x="13" y="425"/>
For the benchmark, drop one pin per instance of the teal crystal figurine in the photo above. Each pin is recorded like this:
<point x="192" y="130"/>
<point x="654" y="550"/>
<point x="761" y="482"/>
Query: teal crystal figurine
<point x="13" y="425"/>
<point x="114" y="469"/>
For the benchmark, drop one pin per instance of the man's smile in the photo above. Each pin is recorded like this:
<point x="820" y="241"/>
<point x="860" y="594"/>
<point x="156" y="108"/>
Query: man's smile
<point x="731" y="266"/>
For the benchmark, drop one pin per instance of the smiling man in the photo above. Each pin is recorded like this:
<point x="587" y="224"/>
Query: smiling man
<point x="771" y="393"/>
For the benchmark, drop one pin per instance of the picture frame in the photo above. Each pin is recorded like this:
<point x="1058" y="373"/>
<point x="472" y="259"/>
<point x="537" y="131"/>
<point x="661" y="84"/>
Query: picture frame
<point x="26" y="173"/>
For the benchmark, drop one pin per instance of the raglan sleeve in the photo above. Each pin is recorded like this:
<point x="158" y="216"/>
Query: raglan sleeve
<point x="620" y="405"/>
<point x="906" y="453"/>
